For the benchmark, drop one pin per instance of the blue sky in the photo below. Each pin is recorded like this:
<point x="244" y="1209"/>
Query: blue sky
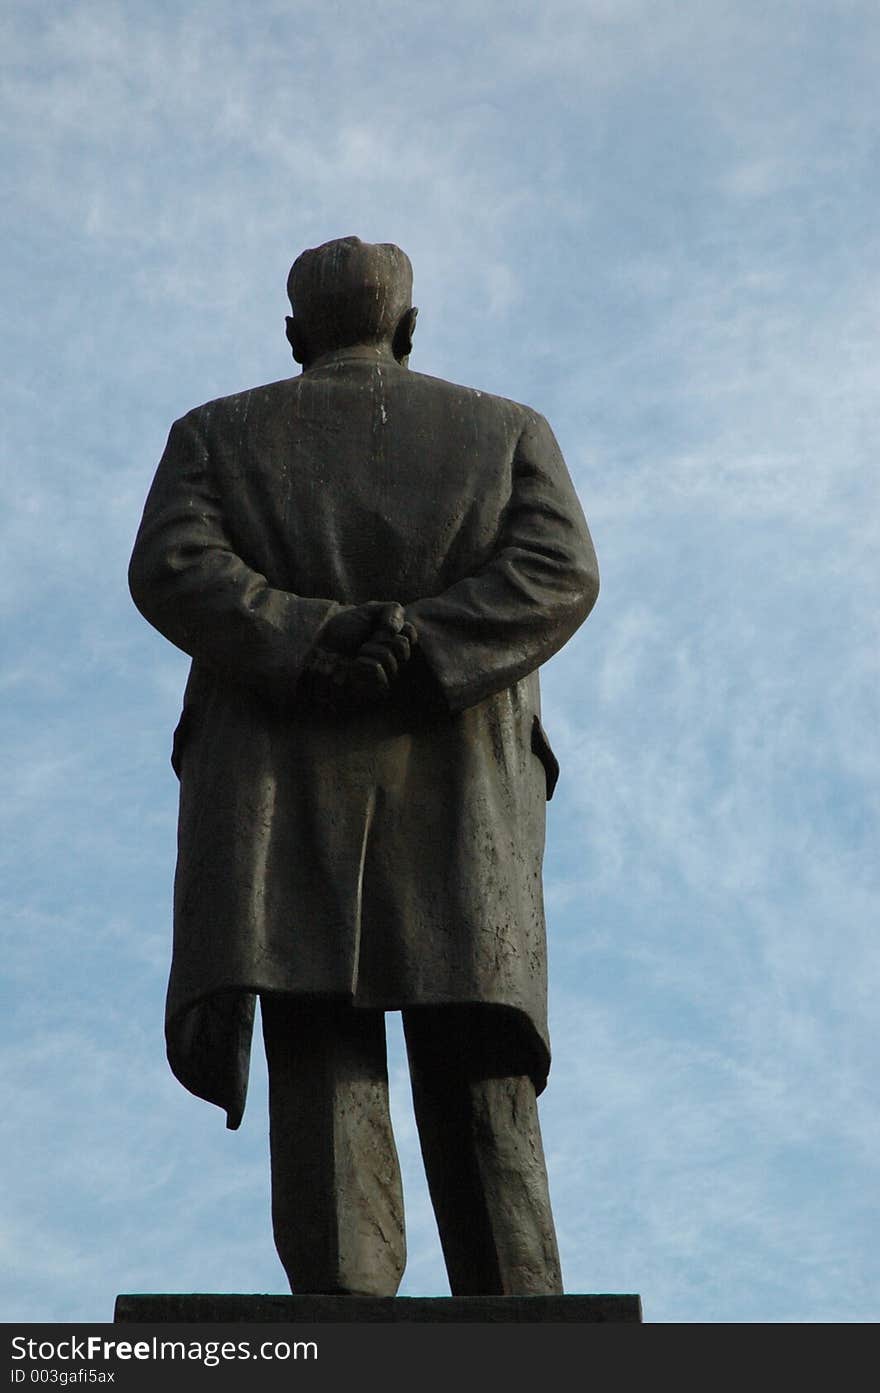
<point x="657" y="223"/>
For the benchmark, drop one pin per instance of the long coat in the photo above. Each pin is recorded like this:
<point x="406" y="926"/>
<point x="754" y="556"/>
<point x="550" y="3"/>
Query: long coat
<point x="390" y="856"/>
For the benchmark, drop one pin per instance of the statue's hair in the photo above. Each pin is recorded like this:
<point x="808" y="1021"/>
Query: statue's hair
<point x="348" y="291"/>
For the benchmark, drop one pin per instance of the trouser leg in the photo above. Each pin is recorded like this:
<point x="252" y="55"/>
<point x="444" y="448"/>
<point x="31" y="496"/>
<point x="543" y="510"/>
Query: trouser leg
<point x="337" y="1203"/>
<point x="484" y="1159"/>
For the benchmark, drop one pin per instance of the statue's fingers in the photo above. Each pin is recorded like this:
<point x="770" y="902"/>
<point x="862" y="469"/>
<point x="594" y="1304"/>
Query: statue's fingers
<point x="406" y="635"/>
<point x="381" y="651"/>
<point x="391" y="616"/>
<point x="369" y="677"/>
<point x="400" y="647"/>
<point x="381" y="644"/>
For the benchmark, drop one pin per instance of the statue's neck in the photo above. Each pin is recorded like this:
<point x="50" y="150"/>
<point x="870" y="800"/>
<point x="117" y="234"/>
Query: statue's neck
<point x="379" y="354"/>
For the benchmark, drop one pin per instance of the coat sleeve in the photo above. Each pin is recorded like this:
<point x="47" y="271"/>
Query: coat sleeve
<point x="187" y="579"/>
<point x="494" y="627"/>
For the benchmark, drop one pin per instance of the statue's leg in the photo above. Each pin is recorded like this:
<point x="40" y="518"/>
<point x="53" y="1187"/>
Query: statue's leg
<point x="484" y="1159"/>
<point x="337" y="1202"/>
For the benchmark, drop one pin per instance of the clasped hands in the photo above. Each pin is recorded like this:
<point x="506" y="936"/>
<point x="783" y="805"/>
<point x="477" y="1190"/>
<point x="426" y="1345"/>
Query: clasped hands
<point x="360" y="652"/>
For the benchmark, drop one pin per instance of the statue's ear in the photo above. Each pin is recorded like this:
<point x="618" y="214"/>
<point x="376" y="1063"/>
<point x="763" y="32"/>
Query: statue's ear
<point x="296" y="339"/>
<point x="401" y="344"/>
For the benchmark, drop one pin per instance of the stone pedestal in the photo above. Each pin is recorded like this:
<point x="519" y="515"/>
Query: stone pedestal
<point x="306" y="1310"/>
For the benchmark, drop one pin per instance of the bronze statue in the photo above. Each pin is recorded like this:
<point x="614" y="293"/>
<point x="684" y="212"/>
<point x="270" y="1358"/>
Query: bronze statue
<point x="368" y="566"/>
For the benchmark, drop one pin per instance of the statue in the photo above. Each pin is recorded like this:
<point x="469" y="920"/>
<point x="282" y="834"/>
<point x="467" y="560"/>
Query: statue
<point x="368" y="566"/>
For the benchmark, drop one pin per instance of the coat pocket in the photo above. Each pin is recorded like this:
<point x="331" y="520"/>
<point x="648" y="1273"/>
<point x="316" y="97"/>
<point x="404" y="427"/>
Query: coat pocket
<point x="541" y="747"/>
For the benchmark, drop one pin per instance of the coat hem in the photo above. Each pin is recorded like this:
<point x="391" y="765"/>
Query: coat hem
<point x="209" y="1040"/>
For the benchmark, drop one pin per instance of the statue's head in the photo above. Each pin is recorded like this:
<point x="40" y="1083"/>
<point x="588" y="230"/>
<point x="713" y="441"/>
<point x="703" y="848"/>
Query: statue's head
<point x="348" y="293"/>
